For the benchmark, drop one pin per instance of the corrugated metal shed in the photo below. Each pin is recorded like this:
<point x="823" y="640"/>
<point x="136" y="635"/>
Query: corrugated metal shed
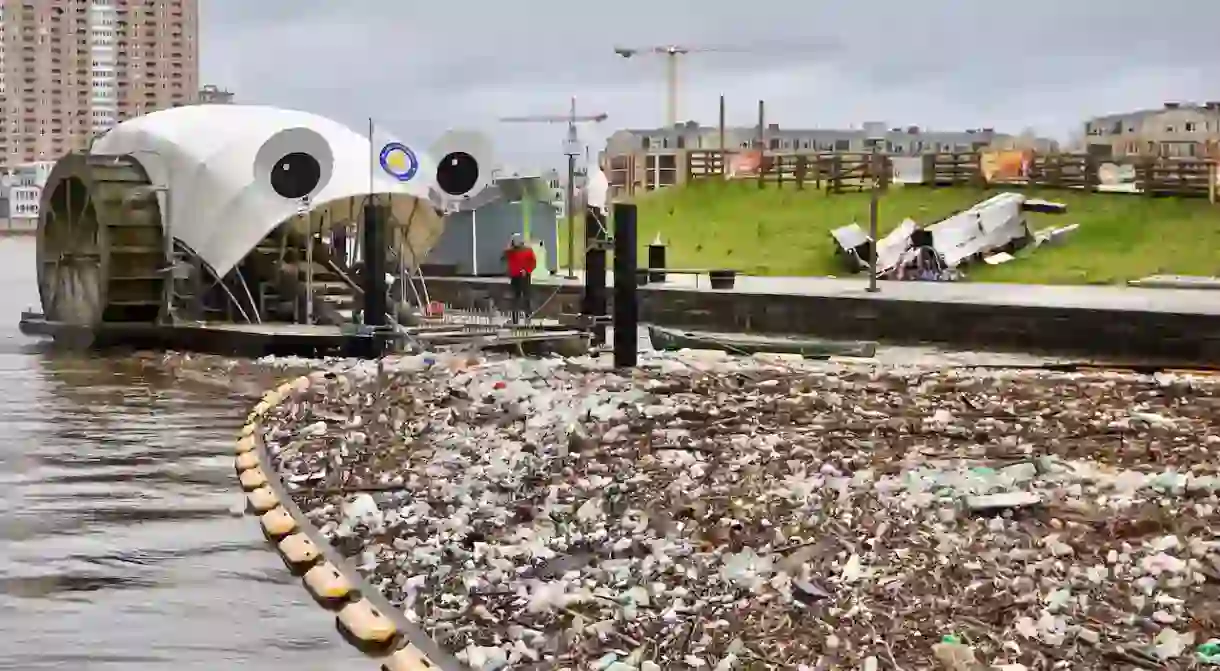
<point x="477" y="234"/>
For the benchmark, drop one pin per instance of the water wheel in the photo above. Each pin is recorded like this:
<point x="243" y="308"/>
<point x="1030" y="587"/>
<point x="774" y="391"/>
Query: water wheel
<point x="100" y="246"/>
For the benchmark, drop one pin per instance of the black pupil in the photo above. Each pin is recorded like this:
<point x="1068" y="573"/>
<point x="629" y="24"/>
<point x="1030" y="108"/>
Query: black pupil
<point x="296" y="175"/>
<point x="457" y="173"/>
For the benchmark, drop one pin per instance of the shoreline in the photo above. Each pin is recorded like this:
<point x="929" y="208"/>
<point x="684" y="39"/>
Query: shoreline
<point x="530" y="514"/>
<point x="1174" y="327"/>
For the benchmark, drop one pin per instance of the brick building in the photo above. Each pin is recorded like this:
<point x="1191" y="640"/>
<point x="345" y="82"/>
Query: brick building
<point x="71" y="69"/>
<point x="1174" y="130"/>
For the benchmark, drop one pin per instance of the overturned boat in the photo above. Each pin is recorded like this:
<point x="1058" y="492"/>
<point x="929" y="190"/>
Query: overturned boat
<point x="668" y="339"/>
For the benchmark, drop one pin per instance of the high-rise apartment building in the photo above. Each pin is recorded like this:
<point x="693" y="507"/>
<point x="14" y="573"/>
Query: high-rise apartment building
<point x="71" y="69"/>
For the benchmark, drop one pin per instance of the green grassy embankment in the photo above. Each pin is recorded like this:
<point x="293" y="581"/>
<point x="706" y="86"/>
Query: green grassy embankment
<point x="787" y="232"/>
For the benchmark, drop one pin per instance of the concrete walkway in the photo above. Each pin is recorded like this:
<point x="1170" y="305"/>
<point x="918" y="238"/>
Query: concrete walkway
<point x="1132" y="299"/>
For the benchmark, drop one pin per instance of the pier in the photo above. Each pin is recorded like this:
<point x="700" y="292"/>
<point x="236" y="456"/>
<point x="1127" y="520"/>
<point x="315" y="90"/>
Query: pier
<point x="1181" y="326"/>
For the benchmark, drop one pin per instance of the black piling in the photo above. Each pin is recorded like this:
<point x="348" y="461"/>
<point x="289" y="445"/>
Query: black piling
<point x="376" y="216"/>
<point x="593" y="303"/>
<point x="656" y="260"/>
<point x="626" y="306"/>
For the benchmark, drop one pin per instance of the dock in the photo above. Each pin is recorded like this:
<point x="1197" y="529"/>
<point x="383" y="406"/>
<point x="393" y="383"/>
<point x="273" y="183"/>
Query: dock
<point x="304" y="340"/>
<point x="1178" y="325"/>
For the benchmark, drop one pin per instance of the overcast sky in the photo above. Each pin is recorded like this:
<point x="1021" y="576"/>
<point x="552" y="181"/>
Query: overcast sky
<point x="419" y="68"/>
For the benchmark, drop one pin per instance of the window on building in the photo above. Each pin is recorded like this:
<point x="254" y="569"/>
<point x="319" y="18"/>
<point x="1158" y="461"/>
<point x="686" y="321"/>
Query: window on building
<point x="1191" y="126"/>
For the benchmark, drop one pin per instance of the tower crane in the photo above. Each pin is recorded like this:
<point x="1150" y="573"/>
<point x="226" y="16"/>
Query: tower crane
<point x="572" y="150"/>
<point x="671" y="52"/>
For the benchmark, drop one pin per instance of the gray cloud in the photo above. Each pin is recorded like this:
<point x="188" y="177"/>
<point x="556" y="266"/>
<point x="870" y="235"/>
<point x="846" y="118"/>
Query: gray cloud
<point x="420" y="68"/>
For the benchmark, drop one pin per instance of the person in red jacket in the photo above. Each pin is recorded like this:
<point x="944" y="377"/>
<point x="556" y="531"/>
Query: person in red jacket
<point x="521" y="262"/>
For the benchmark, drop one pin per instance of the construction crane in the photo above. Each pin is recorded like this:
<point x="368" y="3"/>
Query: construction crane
<point x="671" y="52"/>
<point x="572" y="149"/>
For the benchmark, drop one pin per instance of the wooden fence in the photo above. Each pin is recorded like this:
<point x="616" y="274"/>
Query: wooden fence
<point x="834" y="172"/>
<point x="839" y="172"/>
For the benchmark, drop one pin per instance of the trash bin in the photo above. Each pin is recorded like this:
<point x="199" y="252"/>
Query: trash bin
<point x="722" y="279"/>
<point x="656" y="259"/>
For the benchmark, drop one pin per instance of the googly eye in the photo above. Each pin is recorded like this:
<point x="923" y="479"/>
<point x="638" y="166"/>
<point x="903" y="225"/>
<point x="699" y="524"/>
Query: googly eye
<point x="294" y="163"/>
<point x="464" y="160"/>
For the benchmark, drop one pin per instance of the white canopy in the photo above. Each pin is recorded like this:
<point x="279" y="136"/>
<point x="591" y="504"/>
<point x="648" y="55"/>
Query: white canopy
<point x="205" y="156"/>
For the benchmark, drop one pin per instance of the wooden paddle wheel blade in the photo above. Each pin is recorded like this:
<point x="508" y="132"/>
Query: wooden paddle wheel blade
<point x="100" y="244"/>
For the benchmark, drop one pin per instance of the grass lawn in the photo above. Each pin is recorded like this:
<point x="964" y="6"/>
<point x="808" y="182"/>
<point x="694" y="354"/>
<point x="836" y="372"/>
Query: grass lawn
<point x="787" y="232"/>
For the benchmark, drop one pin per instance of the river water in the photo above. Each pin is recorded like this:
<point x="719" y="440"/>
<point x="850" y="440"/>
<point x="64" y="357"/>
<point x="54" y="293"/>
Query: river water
<point x="120" y="546"/>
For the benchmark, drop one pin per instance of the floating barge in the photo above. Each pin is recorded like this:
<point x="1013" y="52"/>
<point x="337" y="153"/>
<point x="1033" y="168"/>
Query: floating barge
<point x="234" y="230"/>
<point x="303" y="340"/>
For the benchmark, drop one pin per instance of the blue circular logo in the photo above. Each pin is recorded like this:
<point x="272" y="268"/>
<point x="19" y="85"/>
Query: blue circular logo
<point x="399" y="161"/>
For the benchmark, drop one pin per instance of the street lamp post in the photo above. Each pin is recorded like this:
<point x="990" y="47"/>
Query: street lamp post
<point x="874" y="135"/>
<point x="571" y="147"/>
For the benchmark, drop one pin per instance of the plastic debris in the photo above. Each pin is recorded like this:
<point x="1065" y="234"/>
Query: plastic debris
<point x="1209" y="652"/>
<point x="955" y="656"/>
<point x="720" y="512"/>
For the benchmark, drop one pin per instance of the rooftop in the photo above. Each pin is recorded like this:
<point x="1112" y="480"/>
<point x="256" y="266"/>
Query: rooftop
<point x="775" y="130"/>
<point x="1210" y="106"/>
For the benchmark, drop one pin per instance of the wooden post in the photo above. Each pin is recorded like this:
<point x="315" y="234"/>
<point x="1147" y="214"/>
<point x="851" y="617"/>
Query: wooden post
<point x="835" y="183"/>
<point x="762" y="143"/>
<point x="801" y="166"/>
<point x="1211" y="182"/>
<point x="724" y="157"/>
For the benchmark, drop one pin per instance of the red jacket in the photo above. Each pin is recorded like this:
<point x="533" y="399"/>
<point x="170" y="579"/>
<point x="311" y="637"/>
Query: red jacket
<point x="521" y="261"/>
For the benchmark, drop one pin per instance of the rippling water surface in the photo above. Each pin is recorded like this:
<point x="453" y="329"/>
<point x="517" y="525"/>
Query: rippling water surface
<point x="119" y="543"/>
<point x="119" y="547"/>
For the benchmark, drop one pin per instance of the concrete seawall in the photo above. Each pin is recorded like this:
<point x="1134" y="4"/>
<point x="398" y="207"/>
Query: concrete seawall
<point x="1100" y="323"/>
